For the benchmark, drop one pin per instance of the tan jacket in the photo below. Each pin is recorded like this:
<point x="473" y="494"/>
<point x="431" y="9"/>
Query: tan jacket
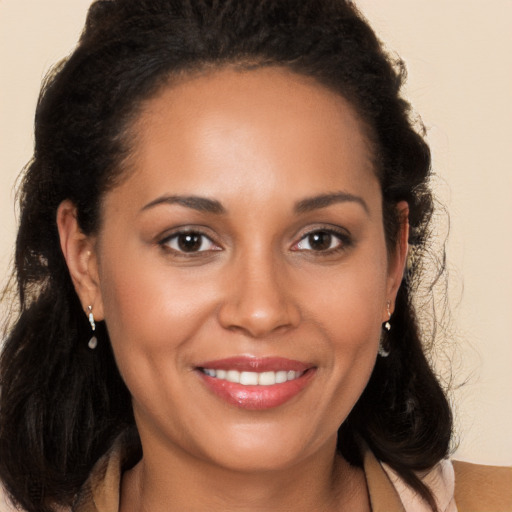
<point x="475" y="488"/>
<point x="457" y="486"/>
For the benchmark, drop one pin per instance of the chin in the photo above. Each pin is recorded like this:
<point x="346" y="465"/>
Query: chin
<point x="263" y="449"/>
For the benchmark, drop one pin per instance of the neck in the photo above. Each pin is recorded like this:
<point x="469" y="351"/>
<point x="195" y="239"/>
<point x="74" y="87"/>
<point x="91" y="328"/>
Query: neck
<point x="166" y="481"/>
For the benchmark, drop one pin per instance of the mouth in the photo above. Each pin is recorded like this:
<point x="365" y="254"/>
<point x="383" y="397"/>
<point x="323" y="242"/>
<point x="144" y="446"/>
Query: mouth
<point x="256" y="384"/>
<point x="253" y="378"/>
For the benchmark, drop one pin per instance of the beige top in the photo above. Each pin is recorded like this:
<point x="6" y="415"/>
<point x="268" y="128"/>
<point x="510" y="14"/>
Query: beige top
<point x="478" y="489"/>
<point x="387" y="491"/>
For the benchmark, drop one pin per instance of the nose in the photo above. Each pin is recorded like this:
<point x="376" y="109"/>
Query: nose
<point x="259" y="300"/>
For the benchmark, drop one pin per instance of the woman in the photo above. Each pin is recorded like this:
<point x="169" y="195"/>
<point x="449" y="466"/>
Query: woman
<point x="216" y="305"/>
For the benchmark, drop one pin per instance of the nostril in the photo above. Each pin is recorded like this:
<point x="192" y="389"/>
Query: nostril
<point x="257" y="299"/>
<point x="258" y="321"/>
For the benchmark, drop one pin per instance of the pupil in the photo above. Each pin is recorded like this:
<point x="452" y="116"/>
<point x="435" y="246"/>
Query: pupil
<point x="320" y="241"/>
<point x="189" y="242"/>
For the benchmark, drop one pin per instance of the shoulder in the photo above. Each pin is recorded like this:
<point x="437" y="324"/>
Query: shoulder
<point x="101" y="491"/>
<point x="5" y="503"/>
<point x="440" y="480"/>
<point x="480" y="488"/>
<point x="456" y="486"/>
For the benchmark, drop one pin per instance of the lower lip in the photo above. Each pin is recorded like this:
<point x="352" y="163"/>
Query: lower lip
<point x="257" y="397"/>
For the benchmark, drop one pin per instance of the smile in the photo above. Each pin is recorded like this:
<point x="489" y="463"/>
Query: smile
<point x="254" y="383"/>
<point x="253" y="378"/>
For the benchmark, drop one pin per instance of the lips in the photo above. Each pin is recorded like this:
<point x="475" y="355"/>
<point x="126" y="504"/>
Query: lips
<point x="256" y="383"/>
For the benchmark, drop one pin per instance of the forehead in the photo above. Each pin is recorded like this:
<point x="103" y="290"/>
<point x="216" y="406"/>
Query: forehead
<point x="253" y="133"/>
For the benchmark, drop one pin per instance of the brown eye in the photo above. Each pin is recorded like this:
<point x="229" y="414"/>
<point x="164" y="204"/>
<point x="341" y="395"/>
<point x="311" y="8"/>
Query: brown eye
<point x="190" y="242"/>
<point x="322" y="240"/>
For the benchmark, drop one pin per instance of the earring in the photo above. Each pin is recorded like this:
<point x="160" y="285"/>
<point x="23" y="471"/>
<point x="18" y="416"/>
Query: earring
<point x="387" y="325"/>
<point x="384" y="352"/>
<point x="93" y="342"/>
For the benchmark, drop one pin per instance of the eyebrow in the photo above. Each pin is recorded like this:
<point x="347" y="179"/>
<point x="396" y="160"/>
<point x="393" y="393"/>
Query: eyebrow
<point x="204" y="204"/>
<point x="201" y="204"/>
<point x="324" y="200"/>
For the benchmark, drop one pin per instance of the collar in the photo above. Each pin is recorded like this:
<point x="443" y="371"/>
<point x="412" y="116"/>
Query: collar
<point x="383" y="495"/>
<point x="388" y="493"/>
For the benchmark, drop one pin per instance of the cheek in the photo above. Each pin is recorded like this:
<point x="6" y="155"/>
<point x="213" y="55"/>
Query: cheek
<point x="349" y="308"/>
<point x="150" y="308"/>
<point x="351" y="299"/>
<point x="151" y="316"/>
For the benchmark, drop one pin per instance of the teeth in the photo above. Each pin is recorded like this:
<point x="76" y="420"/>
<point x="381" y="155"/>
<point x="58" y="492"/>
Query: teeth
<point x="267" y="378"/>
<point x="221" y="374"/>
<point x="281" y="377"/>
<point x="231" y="375"/>
<point x="253" y="378"/>
<point x="249" y="378"/>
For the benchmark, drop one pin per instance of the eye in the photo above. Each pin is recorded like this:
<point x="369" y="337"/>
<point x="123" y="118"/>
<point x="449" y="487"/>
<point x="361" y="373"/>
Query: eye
<point x="189" y="242"/>
<point x="322" y="240"/>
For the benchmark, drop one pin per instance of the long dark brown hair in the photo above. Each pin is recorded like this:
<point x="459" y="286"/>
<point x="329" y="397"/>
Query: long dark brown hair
<point x="62" y="405"/>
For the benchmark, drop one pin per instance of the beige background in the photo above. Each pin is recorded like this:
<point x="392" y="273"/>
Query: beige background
<point x="460" y="80"/>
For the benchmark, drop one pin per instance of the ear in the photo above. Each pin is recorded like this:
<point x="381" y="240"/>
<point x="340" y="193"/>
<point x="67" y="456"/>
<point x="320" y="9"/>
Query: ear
<point x="80" y="254"/>
<point x="398" y="258"/>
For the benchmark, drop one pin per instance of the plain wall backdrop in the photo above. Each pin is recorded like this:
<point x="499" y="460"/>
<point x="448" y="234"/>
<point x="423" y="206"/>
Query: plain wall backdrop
<point x="460" y="81"/>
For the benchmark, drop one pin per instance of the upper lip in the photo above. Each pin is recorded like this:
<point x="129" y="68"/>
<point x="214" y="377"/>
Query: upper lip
<point x="256" y="364"/>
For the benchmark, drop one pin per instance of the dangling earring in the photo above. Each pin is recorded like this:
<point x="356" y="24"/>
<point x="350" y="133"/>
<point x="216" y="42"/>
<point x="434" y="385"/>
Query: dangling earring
<point x="384" y="352"/>
<point x="93" y="342"/>
<point x="387" y="325"/>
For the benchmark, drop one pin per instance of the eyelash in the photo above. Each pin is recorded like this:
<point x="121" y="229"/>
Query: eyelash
<point x="344" y="242"/>
<point x="166" y="242"/>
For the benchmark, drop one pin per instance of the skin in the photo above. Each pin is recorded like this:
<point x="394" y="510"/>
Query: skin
<point x="259" y="143"/>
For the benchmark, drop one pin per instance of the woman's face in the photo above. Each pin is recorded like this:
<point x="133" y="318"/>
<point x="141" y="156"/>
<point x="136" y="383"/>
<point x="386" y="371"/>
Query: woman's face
<point x="242" y="268"/>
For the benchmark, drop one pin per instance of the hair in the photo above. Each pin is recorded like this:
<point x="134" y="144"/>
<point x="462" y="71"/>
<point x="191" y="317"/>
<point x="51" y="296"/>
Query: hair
<point x="61" y="404"/>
